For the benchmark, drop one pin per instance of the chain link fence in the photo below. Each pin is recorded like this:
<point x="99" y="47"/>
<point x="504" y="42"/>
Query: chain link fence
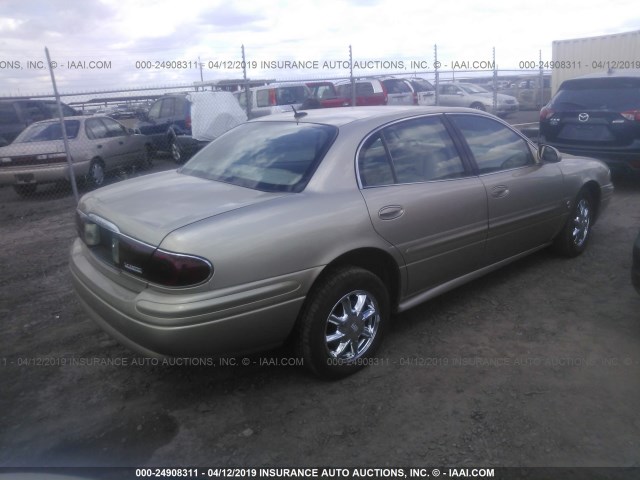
<point x="115" y="134"/>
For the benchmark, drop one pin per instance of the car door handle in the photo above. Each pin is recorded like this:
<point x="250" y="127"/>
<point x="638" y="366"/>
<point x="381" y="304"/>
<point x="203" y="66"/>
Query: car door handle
<point x="390" y="212"/>
<point x="98" y="146"/>
<point x="500" y="191"/>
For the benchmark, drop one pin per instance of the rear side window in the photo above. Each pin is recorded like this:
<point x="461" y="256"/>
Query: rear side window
<point x="262" y="97"/>
<point x="48" y="131"/>
<point x="168" y="108"/>
<point x="614" y="94"/>
<point x="396" y="86"/>
<point x="8" y="114"/>
<point x="494" y="146"/>
<point x="416" y="150"/>
<point x="291" y="95"/>
<point x="266" y="156"/>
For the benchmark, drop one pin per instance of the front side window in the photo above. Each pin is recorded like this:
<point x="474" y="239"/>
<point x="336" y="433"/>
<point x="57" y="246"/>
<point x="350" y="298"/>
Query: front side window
<point x="114" y="129"/>
<point x="95" y="129"/>
<point x="266" y="156"/>
<point x="494" y="146"/>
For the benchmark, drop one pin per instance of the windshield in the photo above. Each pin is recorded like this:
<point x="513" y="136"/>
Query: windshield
<point x="615" y="94"/>
<point x="266" y="156"/>
<point x="42" y="132"/>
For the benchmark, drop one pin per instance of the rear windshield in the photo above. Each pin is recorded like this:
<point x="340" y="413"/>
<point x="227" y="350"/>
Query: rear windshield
<point x="291" y="95"/>
<point x="43" y="132"/>
<point x="266" y="156"/>
<point x="616" y="94"/>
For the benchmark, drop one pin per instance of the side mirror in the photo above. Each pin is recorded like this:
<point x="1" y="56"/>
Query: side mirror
<point x="548" y="154"/>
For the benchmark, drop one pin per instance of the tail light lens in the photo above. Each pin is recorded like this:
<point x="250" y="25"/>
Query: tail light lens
<point x="187" y="122"/>
<point x="169" y="269"/>
<point x="272" y="97"/>
<point x="633" y="115"/>
<point x="545" y="113"/>
<point x="177" y="270"/>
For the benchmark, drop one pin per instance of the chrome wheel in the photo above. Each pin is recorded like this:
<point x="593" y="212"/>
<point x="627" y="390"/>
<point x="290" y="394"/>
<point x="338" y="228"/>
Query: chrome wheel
<point x="352" y="325"/>
<point x="342" y="322"/>
<point x="581" y="223"/>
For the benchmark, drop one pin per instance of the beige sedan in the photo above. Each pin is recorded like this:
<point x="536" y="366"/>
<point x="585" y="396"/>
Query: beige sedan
<point x="315" y="227"/>
<point x="97" y="145"/>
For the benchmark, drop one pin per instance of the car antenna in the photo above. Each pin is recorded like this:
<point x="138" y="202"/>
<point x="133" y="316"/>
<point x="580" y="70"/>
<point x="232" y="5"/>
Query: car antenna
<point x="297" y="115"/>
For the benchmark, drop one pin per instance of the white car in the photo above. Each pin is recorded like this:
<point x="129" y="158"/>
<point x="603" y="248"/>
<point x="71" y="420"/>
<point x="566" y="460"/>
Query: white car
<point x="274" y="98"/>
<point x="474" y="96"/>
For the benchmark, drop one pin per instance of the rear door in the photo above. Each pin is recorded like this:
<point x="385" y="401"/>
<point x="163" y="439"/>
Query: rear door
<point x="423" y="199"/>
<point x="524" y="196"/>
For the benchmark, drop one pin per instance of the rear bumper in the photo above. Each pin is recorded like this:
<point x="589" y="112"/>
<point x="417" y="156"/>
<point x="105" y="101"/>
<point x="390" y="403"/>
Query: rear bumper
<point x="618" y="160"/>
<point x="230" y="321"/>
<point x="34" y="174"/>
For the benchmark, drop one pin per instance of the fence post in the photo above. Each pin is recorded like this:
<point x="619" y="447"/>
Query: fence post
<point x="436" y="65"/>
<point x="65" y="140"/>
<point x="495" y="83"/>
<point x="247" y="92"/>
<point x="353" y="80"/>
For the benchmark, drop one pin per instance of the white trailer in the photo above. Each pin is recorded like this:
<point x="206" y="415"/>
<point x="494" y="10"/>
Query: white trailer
<point x="580" y="56"/>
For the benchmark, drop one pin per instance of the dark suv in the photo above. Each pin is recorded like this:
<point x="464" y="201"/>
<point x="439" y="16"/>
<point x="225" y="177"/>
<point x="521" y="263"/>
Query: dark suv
<point x="168" y="124"/>
<point x="598" y="116"/>
<point x="16" y="115"/>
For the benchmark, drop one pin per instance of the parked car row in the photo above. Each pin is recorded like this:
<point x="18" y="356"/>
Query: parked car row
<point x="372" y="91"/>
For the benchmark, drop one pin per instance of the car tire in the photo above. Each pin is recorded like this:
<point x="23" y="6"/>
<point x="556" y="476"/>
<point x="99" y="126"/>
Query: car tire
<point x="96" y="175"/>
<point x="146" y="159"/>
<point x="342" y="323"/>
<point x="574" y="236"/>
<point x="478" y="106"/>
<point x="26" y="190"/>
<point x="177" y="153"/>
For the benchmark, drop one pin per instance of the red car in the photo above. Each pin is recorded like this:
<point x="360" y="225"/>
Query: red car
<point x="325" y="93"/>
<point x="368" y="92"/>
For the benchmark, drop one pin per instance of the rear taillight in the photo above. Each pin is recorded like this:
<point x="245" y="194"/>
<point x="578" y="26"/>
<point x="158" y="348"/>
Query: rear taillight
<point x="177" y="270"/>
<point x="187" y="122"/>
<point x="633" y="115"/>
<point x="169" y="269"/>
<point x="545" y="113"/>
<point x="272" y="97"/>
<point x="384" y="93"/>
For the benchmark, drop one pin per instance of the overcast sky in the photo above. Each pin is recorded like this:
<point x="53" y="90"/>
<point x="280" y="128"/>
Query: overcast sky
<point x="115" y="34"/>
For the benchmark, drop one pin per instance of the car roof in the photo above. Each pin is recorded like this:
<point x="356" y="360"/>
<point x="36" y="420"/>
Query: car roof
<point x="345" y="115"/>
<point x="630" y="73"/>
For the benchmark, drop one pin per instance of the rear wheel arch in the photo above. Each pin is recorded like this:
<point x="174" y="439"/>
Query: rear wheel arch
<point x="378" y="262"/>
<point x="593" y="189"/>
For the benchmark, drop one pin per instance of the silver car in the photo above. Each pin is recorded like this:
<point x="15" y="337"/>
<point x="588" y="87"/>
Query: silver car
<point x="97" y="145"/>
<point x="474" y="96"/>
<point x="318" y="226"/>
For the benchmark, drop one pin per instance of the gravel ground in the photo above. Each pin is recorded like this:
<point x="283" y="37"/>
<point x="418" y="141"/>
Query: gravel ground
<point x="537" y="364"/>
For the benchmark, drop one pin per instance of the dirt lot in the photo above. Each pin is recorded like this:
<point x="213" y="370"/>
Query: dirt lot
<point x="535" y="365"/>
